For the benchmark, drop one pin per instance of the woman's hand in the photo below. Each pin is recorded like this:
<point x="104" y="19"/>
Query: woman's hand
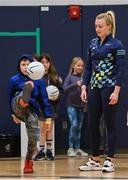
<point x="114" y="96"/>
<point x="83" y="94"/>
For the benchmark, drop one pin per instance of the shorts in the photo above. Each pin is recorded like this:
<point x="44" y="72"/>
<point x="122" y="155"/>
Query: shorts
<point x="41" y="116"/>
<point x="54" y="112"/>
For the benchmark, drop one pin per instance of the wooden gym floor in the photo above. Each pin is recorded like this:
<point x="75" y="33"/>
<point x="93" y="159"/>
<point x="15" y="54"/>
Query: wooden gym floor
<point x="63" y="168"/>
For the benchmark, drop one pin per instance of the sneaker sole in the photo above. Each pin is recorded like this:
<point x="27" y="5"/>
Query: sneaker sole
<point x="50" y="159"/>
<point x="39" y="159"/>
<point x="91" y="169"/>
<point x="107" y="171"/>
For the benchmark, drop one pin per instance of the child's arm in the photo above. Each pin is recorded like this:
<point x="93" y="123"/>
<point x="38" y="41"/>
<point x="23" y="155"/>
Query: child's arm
<point x="68" y="84"/>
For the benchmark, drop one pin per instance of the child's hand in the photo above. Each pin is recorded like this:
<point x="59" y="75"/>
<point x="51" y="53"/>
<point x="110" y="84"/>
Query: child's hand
<point x="79" y="83"/>
<point x="15" y="119"/>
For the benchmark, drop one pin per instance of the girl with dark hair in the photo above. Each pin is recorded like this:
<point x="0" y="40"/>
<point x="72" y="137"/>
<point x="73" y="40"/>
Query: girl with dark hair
<point x="46" y="137"/>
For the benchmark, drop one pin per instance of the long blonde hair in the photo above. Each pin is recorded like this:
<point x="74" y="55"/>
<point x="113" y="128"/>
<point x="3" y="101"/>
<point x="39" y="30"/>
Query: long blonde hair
<point x="109" y="16"/>
<point x="74" y="61"/>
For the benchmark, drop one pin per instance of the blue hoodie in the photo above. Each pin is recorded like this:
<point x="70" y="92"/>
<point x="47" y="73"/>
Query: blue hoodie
<point x="39" y="97"/>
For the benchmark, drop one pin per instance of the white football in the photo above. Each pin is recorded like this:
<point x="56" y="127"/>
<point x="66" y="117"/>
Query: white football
<point x="53" y="92"/>
<point x="35" y="70"/>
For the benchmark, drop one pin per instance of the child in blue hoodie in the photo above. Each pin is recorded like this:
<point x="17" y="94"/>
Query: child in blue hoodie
<point x="26" y="98"/>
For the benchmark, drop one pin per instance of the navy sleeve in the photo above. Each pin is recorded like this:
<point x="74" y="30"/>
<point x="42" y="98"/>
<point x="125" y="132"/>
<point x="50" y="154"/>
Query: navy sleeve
<point x="120" y="63"/>
<point x="88" y="69"/>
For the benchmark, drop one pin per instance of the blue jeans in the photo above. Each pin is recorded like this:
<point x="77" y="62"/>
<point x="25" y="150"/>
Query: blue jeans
<point x="76" y="116"/>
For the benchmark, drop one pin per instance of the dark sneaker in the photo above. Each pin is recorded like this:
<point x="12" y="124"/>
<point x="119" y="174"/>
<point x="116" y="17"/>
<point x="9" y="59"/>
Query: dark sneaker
<point x="28" y="166"/>
<point x="39" y="156"/>
<point x="49" y="155"/>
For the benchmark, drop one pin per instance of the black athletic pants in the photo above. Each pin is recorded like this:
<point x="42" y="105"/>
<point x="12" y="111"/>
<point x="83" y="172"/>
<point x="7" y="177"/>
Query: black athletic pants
<point x="98" y="100"/>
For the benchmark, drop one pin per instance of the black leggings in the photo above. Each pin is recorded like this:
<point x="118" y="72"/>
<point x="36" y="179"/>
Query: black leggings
<point x="98" y="100"/>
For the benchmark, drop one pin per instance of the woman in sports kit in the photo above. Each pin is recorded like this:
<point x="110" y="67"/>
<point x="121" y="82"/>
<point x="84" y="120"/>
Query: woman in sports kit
<point x="26" y="98"/>
<point x="46" y="137"/>
<point x="104" y="74"/>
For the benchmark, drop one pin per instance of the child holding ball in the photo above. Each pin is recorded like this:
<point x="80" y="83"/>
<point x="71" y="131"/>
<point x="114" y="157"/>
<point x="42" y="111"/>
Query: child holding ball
<point x="46" y="137"/>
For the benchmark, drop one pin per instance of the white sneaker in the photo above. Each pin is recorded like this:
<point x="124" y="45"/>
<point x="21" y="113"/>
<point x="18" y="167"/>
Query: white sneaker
<point x="108" y="166"/>
<point x="80" y="152"/>
<point x="91" y="166"/>
<point x="71" y="152"/>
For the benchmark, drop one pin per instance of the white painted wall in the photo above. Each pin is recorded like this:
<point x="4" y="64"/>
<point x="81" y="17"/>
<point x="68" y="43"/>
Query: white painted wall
<point x="59" y="2"/>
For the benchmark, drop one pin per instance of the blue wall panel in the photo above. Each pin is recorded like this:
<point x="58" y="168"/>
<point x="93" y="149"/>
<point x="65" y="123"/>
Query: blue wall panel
<point x="14" y="19"/>
<point x="89" y="14"/>
<point x="61" y="37"/>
